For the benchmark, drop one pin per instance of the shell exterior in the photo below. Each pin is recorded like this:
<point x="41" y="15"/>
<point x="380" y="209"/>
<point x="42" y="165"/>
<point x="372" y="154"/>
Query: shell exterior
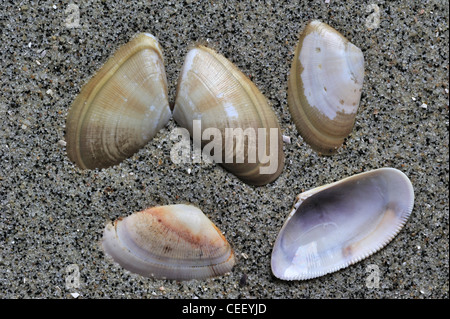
<point x="169" y="242"/>
<point x="213" y="90"/>
<point x="336" y="225"/>
<point x="324" y="87"/>
<point x="121" y="108"/>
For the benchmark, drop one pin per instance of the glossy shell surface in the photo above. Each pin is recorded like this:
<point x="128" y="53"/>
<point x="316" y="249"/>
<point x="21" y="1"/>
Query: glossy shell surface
<point x="324" y="87"/>
<point x="169" y="242"/>
<point x="214" y="91"/>
<point x="336" y="225"/>
<point x="121" y="108"/>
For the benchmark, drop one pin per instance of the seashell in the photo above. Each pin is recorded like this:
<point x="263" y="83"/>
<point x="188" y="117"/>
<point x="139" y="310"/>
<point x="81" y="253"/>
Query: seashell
<point x="336" y="225"/>
<point x="324" y="87"/>
<point x="121" y="108"/>
<point x="169" y="242"/>
<point x="216" y="93"/>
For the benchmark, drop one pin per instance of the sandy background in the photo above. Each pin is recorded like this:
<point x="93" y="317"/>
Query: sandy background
<point x="52" y="213"/>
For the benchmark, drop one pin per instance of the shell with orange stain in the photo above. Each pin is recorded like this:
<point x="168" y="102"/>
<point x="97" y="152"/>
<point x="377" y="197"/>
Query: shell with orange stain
<point x="171" y="242"/>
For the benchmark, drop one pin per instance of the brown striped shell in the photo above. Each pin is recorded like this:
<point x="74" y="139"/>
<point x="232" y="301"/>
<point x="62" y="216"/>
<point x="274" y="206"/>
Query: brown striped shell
<point x="213" y="91"/>
<point x="121" y="108"/>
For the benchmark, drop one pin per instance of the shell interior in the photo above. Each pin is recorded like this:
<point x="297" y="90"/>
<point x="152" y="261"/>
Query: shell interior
<point x="214" y="91"/>
<point x="336" y="225"/>
<point x="121" y="108"/>
<point x="169" y="242"/>
<point x="324" y="87"/>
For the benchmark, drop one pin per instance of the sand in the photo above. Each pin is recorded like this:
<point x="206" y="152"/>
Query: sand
<point x="53" y="213"/>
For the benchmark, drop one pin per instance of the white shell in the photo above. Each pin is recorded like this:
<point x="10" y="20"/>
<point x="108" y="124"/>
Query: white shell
<point x="121" y="108"/>
<point x="169" y="242"/>
<point x="324" y="87"/>
<point x="336" y="225"/>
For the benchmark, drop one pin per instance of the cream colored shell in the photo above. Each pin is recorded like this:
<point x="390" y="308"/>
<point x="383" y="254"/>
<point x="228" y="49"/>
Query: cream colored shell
<point x="121" y="108"/>
<point x="324" y="87"/>
<point x="170" y="242"/>
<point x="213" y="90"/>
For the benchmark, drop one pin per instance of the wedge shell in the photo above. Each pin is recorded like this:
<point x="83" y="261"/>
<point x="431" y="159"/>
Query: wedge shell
<point x="169" y="242"/>
<point x="324" y="87"/>
<point x="214" y="91"/>
<point x="336" y="225"/>
<point x="121" y="108"/>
